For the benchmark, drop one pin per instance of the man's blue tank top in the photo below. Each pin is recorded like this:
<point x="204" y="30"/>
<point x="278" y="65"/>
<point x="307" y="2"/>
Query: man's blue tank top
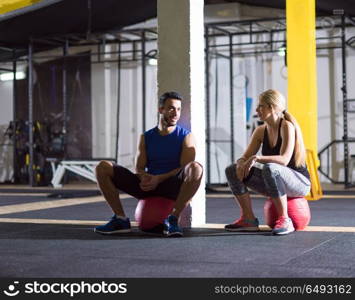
<point x="164" y="151"/>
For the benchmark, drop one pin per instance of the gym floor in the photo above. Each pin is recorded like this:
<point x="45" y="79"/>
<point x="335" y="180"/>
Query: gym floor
<point x="44" y="235"/>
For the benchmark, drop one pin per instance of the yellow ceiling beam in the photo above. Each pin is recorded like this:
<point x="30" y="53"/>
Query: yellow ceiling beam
<point x="7" y="6"/>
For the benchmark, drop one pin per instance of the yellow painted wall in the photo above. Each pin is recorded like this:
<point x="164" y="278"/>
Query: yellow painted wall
<point x="10" y="5"/>
<point x="302" y="80"/>
<point x="301" y="68"/>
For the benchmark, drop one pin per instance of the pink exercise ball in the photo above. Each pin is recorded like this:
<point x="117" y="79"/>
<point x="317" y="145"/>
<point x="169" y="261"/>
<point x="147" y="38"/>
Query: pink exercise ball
<point x="297" y="208"/>
<point x="152" y="211"/>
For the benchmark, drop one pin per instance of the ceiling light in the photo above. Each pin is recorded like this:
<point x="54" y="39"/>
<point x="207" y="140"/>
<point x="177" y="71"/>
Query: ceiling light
<point x="281" y="51"/>
<point x="152" y="61"/>
<point x="10" y="76"/>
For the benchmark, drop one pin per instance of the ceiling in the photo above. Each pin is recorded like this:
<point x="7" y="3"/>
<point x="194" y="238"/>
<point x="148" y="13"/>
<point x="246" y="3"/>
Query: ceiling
<point x="84" y="17"/>
<point x="322" y="6"/>
<point x="64" y="17"/>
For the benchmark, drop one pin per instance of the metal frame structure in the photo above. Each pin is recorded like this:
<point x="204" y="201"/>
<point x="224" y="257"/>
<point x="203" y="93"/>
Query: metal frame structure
<point x="229" y="30"/>
<point x="268" y="28"/>
<point x="345" y="21"/>
<point x="134" y="37"/>
<point x="229" y="50"/>
<point x="84" y="168"/>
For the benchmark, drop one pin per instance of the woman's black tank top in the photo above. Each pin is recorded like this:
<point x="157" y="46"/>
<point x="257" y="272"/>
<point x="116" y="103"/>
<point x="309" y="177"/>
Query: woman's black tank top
<point x="267" y="150"/>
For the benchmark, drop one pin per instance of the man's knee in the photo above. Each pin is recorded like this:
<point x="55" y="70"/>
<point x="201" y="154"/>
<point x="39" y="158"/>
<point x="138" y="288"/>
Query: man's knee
<point x="194" y="169"/>
<point x="104" y="168"/>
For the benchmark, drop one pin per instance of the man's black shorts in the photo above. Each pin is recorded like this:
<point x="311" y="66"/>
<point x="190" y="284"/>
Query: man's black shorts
<point x="128" y="182"/>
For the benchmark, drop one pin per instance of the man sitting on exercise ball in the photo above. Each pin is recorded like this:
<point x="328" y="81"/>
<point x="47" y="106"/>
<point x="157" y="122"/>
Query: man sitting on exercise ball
<point x="165" y="166"/>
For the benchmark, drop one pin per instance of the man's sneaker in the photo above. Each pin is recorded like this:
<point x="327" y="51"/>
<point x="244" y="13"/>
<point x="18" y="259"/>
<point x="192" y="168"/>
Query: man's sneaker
<point x="283" y="225"/>
<point x="243" y="225"/>
<point x="171" y="227"/>
<point x="115" y="225"/>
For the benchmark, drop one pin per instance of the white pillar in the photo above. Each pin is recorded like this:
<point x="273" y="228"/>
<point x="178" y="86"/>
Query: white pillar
<point x="108" y="102"/>
<point x="181" y="68"/>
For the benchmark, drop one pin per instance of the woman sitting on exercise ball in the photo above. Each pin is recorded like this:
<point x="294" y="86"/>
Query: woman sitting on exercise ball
<point x="279" y="171"/>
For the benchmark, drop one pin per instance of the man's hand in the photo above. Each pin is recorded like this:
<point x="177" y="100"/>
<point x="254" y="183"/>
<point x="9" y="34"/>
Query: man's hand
<point x="149" y="182"/>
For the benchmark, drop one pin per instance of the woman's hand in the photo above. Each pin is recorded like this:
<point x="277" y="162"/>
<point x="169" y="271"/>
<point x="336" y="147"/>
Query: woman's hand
<point x="249" y="164"/>
<point x="240" y="169"/>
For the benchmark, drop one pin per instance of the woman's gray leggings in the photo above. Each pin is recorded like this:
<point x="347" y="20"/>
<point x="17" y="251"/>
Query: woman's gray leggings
<point x="270" y="179"/>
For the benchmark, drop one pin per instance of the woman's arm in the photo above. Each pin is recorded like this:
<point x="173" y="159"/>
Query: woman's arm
<point x="243" y="163"/>
<point x="254" y="144"/>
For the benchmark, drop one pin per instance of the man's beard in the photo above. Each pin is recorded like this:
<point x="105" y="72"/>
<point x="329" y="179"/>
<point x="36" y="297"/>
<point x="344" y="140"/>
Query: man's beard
<point x="168" y="123"/>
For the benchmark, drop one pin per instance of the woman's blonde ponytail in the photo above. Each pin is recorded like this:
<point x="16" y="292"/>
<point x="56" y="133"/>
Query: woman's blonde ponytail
<point x="300" y="151"/>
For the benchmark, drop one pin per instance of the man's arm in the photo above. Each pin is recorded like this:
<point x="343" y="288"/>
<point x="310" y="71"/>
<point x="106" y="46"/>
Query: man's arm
<point x="188" y="153"/>
<point x="141" y="158"/>
<point x="148" y="181"/>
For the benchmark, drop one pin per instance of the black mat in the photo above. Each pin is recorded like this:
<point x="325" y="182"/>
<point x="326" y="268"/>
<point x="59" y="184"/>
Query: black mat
<point x="56" y="250"/>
